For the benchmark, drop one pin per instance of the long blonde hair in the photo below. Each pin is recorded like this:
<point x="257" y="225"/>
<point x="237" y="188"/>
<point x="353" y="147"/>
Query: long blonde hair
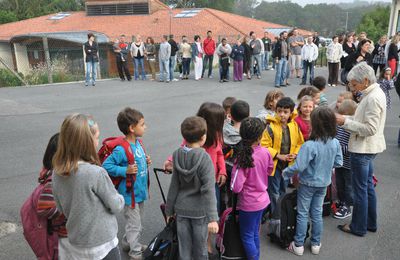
<point x="75" y="144"/>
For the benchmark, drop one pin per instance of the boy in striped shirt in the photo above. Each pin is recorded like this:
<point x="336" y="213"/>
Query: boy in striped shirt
<point x="343" y="174"/>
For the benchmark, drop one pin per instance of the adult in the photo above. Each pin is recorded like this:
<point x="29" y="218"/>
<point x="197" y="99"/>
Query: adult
<point x="333" y="54"/>
<point x="296" y="42"/>
<point x="237" y="55"/>
<point x="393" y="55"/>
<point x="151" y="51"/>
<point x="366" y="141"/>
<point x="316" y="39"/>
<point x="309" y="54"/>
<point x="280" y="54"/>
<point x="246" y="57"/>
<point x="197" y="56"/>
<point x="163" y="57"/>
<point x="256" y="51"/>
<point x="348" y="49"/>
<point x="223" y="51"/>
<point x="121" y="51"/>
<point x="363" y="36"/>
<point x="137" y="53"/>
<point x="360" y="55"/>
<point x="267" y="50"/>
<point x="172" y="59"/>
<point x="186" y="51"/>
<point x="379" y="59"/>
<point x="209" y="46"/>
<point x="92" y="59"/>
<point x="276" y="39"/>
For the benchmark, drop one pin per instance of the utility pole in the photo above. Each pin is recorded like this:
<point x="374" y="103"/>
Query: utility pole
<point x="347" y="20"/>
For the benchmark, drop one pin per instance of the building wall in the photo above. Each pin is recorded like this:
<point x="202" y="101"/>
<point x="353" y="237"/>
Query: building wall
<point x="21" y="58"/>
<point x="6" y="54"/>
<point x="394" y="25"/>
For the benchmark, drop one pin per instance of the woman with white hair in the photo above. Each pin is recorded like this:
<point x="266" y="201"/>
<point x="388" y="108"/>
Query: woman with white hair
<point x="366" y="141"/>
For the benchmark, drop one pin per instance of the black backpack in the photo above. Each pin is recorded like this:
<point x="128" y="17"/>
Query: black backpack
<point x="165" y="245"/>
<point x="282" y="226"/>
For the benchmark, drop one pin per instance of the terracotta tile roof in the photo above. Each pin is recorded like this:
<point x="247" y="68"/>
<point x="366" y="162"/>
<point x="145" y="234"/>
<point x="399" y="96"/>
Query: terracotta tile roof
<point x="155" y="25"/>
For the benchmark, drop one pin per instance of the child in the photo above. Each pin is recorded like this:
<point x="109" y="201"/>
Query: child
<point x="342" y="96"/>
<point x="320" y="83"/>
<point x="283" y="139"/>
<point x="227" y="104"/>
<point x="314" y="164"/>
<point x="131" y="123"/>
<point x="238" y="112"/>
<point x="306" y="106"/>
<point x="386" y="83"/>
<point x="250" y="179"/>
<point x="84" y="193"/>
<point x="343" y="174"/>
<point x="312" y="92"/>
<point x="269" y="108"/>
<point x="191" y="194"/>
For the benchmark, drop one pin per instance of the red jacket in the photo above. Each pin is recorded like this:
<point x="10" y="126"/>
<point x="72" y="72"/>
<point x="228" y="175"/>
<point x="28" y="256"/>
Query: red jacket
<point x="209" y="46"/>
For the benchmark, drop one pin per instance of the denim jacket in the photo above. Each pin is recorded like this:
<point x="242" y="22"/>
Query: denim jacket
<point x="315" y="161"/>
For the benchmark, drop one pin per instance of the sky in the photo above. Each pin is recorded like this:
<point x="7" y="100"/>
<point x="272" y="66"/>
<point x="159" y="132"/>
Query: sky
<point x="304" y="2"/>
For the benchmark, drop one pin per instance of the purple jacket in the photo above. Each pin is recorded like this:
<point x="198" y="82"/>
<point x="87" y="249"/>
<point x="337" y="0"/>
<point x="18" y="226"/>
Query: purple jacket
<point x="252" y="183"/>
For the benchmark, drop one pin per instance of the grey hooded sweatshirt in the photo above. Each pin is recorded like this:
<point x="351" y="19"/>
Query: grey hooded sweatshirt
<point x="192" y="190"/>
<point x="231" y="134"/>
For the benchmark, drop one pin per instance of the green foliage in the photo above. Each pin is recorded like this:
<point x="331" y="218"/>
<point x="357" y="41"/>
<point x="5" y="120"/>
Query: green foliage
<point x="7" y="17"/>
<point x="375" y="23"/>
<point x="327" y="19"/>
<point x="24" y="9"/>
<point x="8" y="79"/>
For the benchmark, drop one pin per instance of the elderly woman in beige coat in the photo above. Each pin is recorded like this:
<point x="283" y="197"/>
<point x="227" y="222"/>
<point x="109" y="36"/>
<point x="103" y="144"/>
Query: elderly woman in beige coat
<point x="366" y="141"/>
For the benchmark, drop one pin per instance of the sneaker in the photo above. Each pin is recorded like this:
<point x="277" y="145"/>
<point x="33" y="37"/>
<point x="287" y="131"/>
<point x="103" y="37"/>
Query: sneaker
<point x="143" y="247"/>
<point x="167" y="81"/>
<point x="175" y="79"/>
<point x="210" y="77"/>
<point x="329" y="85"/>
<point x="272" y="69"/>
<point x="333" y="85"/>
<point x="86" y="84"/>
<point x="93" y="84"/>
<point x="315" y="249"/>
<point x="297" y="250"/>
<point x="343" y="212"/>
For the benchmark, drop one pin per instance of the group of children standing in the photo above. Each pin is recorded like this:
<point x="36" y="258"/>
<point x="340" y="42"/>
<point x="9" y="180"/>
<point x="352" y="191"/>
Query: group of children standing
<point x="224" y="150"/>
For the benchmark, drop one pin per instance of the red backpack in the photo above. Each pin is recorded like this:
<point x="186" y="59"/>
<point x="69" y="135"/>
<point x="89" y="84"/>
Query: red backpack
<point x="106" y="150"/>
<point x="38" y="230"/>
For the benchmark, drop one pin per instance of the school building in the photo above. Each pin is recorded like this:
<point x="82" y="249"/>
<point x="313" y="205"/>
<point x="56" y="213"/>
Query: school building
<point x="32" y="42"/>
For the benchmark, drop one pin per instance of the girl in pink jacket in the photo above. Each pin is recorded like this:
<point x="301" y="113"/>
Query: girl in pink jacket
<point x="250" y="180"/>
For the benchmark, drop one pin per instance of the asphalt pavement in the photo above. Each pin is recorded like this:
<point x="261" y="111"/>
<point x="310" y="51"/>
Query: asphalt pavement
<point x="29" y="116"/>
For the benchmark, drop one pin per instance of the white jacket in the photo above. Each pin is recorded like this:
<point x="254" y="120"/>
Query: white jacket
<point x="334" y="52"/>
<point x="134" y="49"/>
<point x="368" y="123"/>
<point x="309" y="52"/>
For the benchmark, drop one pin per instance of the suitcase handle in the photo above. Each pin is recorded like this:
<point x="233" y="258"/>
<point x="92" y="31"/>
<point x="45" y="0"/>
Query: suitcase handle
<point x="156" y="171"/>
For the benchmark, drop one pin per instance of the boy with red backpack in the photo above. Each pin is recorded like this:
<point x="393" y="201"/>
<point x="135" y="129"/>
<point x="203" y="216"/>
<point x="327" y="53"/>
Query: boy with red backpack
<point x="130" y="177"/>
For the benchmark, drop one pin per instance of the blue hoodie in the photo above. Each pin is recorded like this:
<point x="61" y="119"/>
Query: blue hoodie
<point x="315" y="161"/>
<point x="116" y="165"/>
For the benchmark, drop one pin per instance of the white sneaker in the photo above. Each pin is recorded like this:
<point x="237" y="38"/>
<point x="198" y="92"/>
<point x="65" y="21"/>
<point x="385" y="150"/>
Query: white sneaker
<point x="333" y="85"/>
<point x="297" y="250"/>
<point x="315" y="249"/>
<point x="174" y="79"/>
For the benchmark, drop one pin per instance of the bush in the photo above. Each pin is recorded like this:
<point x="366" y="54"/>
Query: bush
<point x="8" y="79"/>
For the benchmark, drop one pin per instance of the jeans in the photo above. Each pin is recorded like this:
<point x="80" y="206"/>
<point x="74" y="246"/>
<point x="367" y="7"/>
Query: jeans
<point x="307" y="65"/>
<point x="266" y="60"/>
<point x="343" y="185"/>
<point x="280" y="75"/>
<point x="91" y="69"/>
<point x="262" y="66"/>
<point x="186" y="66"/>
<point x="364" y="210"/>
<point x="172" y="63"/>
<point x="273" y="63"/>
<point x="207" y="59"/>
<point x="139" y="62"/>
<point x="238" y="70"/>
<point x="276" y="187"/>
<point x="309" y="202"/>
<point x="249" y="232"/>
<point x="164" y="67"/>
<point x="192" y="237"/>
<point x="257" y="58"/>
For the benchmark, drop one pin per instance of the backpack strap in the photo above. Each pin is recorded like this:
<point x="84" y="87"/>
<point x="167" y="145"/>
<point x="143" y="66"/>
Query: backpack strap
<point x="271" y="133"/>
<point x="131" y="178"/>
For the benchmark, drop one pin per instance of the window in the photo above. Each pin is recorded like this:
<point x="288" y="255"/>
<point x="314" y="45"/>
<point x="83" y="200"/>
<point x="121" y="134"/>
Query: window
<point x="188" y="13"/>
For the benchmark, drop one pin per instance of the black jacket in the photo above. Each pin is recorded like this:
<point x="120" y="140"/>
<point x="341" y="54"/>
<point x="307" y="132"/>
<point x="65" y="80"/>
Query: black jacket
<point x="91" y="52"/>
<point x="277" y="51"/>
<point x="174" y="47"/>
<point x="393" y="52"/>
<point x="352" y="60"/>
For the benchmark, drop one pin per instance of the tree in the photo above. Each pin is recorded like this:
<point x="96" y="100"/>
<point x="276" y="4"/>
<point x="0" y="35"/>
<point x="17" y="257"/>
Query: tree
<point x="375" y="23"/>
<point x="246" y="7"/>
<point x="7" y="17"/>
